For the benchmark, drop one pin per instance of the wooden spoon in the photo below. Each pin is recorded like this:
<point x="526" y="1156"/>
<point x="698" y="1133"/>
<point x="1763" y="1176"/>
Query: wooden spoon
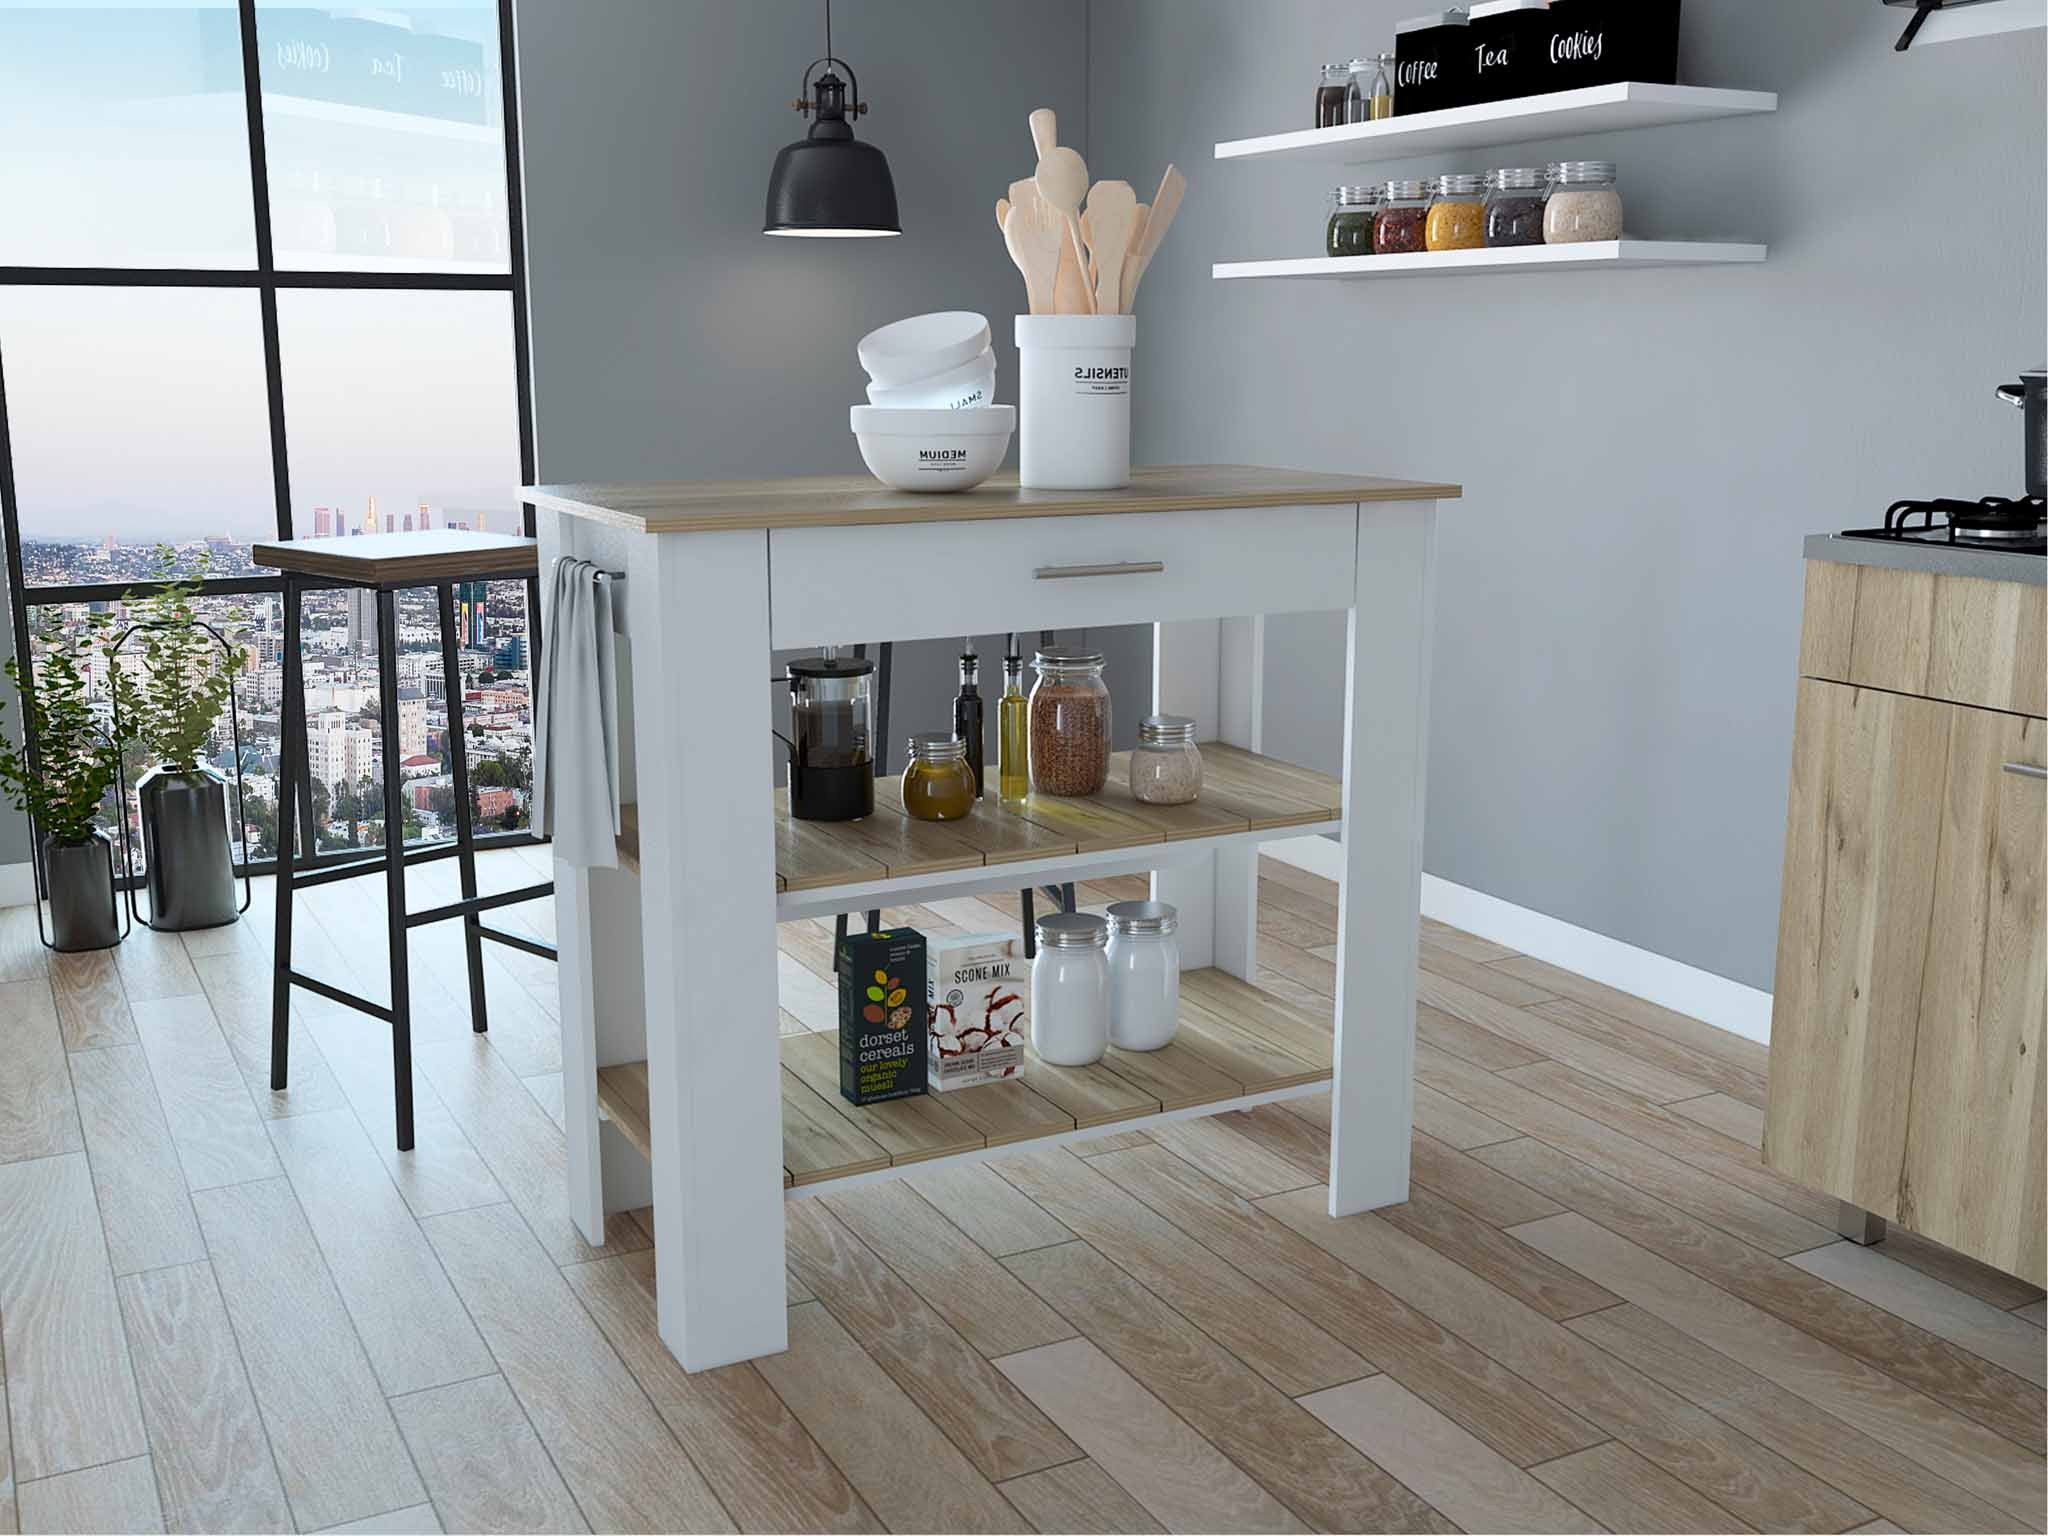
<point x="1069" y="286"/>
<point x="1045" y="131"/>
<point x="1112" y="211"/>
<point x="1165" y="204"/>
<point x="1033" y="237"/>
<point x="1124" y="261"/>
<point x="1062" y="178"/>
<point x="1002" y="211"/>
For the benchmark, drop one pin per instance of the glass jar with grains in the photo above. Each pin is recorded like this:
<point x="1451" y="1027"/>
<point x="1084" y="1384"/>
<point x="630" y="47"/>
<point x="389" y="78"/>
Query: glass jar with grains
<point x="1069" y="723"/>
<point x="1397" y="229"/>
<point x="1514" y="207"/>
<point x="1166" y="768"/>
<point x="1584" y="203"/>
<point x="937" y="783"/>
<point x="1349" y="232"/>
<point x="1457" y="213"/>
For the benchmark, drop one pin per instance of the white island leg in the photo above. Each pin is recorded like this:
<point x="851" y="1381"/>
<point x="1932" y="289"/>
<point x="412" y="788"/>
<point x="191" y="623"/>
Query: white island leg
<point x="1386" y="737"/>
<point x="698" y="616"/>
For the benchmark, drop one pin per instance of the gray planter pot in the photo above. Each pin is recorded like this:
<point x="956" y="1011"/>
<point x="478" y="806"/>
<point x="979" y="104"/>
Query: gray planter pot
<point x="82" y="910"/>
<point x="190" y="865"/>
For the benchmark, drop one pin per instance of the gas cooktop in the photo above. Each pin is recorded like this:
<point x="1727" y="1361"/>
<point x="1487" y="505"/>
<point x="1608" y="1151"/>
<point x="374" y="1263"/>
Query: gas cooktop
<point x="2008" y="526"/>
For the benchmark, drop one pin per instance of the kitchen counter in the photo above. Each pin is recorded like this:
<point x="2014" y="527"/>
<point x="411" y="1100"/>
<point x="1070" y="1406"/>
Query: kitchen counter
<point x="675" y="1092"/>
<point x="1937" y="559"/>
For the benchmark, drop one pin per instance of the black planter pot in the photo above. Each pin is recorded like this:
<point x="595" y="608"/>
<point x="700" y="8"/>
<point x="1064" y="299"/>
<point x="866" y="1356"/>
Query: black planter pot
<point x="190" y="865"/>
<point x="81" y="876"/>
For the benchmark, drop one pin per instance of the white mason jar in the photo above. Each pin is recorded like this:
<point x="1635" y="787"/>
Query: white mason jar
<point x="1144" y="974"/>
<point x="1070" y="990"/>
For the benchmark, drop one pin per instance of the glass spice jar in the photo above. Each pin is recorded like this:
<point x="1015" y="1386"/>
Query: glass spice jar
<point x="937" y="783"/>
<point x="1349" y="231"/>
<point x="1398" y="228"/>
<point x="1514" y="207"/>
<point x="1144" y="974"/>
<point x="1332" y="95"/>
<point x="1457" y="213"/>
<point x="1070" y="989"/>
<point x="1584" y="203"/>
<point x="1166" y="768"/>
<point x="1069" y="723"/>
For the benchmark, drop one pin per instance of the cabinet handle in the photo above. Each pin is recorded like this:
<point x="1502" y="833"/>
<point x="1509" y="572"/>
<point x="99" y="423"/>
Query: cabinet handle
<point x="1119" y="568"/>
<point x="2027" y="770"/>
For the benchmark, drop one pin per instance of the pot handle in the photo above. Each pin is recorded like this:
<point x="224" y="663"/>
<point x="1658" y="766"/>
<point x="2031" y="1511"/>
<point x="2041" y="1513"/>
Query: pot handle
<point x="2013" y="394"/>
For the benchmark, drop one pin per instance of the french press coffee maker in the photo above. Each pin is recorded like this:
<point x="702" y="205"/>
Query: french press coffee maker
<point x="831" y="737"/>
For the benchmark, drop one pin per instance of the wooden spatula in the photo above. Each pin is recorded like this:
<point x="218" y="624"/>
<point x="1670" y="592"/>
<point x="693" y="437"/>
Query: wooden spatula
<point x="1124" y="262"/>
<point x="1069" y="287"/>
<point x="1112" y="210"/>
<point x="1033" y="236"/>
<point x="1165" y="204"/>
<point x="1062" y="178"/>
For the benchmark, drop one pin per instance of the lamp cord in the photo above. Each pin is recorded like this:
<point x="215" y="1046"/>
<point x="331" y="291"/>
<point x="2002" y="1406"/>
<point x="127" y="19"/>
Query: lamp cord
<point x="828" y="28"/>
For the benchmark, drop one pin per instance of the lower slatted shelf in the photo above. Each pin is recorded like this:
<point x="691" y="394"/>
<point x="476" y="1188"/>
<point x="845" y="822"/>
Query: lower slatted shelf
<point x="1235" y="1044"/>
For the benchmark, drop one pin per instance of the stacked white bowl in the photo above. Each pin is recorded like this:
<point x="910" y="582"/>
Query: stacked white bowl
<point x="929" y="424"/>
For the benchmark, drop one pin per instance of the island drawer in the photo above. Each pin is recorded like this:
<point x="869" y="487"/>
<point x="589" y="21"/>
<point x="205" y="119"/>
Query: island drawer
<point x="922" y="581"/>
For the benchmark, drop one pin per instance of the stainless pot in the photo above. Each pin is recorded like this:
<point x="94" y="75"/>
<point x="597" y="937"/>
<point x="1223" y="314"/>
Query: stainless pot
<point x="190" y="866"/>
<point x="81" y="877"/>
<point x="2031" y="396"/>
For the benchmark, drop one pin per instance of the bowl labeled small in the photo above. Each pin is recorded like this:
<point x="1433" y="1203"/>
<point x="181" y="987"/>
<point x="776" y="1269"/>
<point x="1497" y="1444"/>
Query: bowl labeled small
<point x="972" y="384"/>
<point x="923" y="346"/>
<point x="933" y="450"/>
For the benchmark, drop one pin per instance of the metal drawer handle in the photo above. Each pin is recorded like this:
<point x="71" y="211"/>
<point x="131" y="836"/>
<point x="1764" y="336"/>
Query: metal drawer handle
<point x="1120" y="568"/>
<point x="2027" y="770"/>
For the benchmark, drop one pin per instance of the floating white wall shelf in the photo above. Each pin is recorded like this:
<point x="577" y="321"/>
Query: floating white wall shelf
<point x="1986" y="20"/>
<point x="1610" y="254"/>
<point x="1560" y="114"/>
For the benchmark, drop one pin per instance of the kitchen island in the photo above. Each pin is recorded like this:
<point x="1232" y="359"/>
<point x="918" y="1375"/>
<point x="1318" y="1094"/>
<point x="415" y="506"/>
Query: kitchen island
<point x="676" y="1091"/>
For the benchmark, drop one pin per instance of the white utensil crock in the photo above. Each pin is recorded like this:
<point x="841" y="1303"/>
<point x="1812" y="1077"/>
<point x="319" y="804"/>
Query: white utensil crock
<point x="1074" y="401"/>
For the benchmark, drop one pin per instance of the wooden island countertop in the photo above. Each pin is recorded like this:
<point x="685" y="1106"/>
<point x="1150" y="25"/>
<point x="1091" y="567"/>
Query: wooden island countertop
<point x="845" y="501"/>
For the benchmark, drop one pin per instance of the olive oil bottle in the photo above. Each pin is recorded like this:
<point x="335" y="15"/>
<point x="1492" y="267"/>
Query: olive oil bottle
<point x="1013" y="770"/>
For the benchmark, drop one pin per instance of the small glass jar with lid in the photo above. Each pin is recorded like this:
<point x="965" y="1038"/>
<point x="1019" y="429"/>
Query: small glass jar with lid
<point x="1166" y="767"/>
<point x="1144" y="974"/>
<point x="937" y="783"/>
<point x="1349" y="231"/>
<point x="1069" y="723"/>
<point x="1457" y="213"/>
<point x="1332" y="94"/>
<point x="1584" y="203"/>
<point x="1370" y="96"/>
<point x="1070" y="989"/>
<point x="1514" y="207"/>
<point x="1399" y="225"/>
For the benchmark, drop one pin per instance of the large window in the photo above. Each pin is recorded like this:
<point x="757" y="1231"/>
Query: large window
<point x="260" y="277"/>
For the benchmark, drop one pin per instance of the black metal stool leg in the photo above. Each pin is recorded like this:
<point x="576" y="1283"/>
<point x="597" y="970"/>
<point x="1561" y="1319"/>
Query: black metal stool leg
<point x="394" y="867"/>
<point x="291" y="720"/>
<point x="1030" y="925"/>
<point x="465" y="831"/>
<point x="885" y="663"/>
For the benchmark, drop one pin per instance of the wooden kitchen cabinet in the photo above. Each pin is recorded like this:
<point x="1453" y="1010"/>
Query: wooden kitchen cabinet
<point x="1912" y="977"/>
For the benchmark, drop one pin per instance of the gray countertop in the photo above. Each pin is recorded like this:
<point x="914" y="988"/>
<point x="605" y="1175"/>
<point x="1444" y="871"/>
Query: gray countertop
<point x="1941" y="559"/>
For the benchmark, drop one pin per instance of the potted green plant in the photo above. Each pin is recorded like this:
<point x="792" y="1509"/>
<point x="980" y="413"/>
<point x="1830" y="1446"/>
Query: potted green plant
<point x="170" y="704"/>
<point x="75" y="763"/>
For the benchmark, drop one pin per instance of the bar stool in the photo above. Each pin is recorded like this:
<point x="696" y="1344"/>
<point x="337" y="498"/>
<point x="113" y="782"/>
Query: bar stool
<point x="385" y="564"/>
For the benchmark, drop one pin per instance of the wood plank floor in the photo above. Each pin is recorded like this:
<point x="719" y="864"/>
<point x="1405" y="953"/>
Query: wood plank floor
<point x="224" y="1308"/>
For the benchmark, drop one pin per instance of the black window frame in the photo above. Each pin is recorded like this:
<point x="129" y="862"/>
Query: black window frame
<point x="266" y="280"/>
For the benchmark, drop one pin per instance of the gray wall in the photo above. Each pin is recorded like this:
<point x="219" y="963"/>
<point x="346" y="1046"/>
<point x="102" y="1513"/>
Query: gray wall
<point x="1618" y="610"/>
<point x="671" y="339"/>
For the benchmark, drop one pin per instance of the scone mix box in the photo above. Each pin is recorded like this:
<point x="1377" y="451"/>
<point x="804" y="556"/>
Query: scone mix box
<point x="881" y="1015"/>
<point x="977" y="991"/>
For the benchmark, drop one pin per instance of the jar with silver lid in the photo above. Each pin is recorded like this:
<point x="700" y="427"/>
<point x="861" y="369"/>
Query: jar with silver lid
<point x="1166" y="767"/>
<point x="1070" y="989"/>
<point x="1584" y="203"/>
<point x="1514" y="206"/>
<point x="1144" y="974"/>
<point x="1349" y="230"/>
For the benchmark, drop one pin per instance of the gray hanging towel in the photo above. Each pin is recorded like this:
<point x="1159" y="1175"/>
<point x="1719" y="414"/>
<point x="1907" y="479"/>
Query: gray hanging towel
<point x="576" y="736"/>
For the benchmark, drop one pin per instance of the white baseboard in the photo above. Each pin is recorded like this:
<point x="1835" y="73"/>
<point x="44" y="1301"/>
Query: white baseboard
<point x="1730" y="1005"/>
<point x="17" y="884"/>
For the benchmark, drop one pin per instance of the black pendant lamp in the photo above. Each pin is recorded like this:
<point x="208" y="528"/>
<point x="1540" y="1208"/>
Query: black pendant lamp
<point x="827" y="185"/>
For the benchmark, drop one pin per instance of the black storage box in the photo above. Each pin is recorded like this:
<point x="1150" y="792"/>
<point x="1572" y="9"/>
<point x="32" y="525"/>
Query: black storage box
<point x="1506" y="49"/>
<point x="1432" y="64"/>
<point x="1599" y="42"/>
<point x="881" y="1015"/>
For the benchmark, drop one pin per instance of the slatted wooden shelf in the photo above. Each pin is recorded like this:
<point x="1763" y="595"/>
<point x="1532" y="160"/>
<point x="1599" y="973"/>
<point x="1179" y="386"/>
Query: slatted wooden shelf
<point x="1242" y="793"/>
<point x="1235" y="1043"/>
